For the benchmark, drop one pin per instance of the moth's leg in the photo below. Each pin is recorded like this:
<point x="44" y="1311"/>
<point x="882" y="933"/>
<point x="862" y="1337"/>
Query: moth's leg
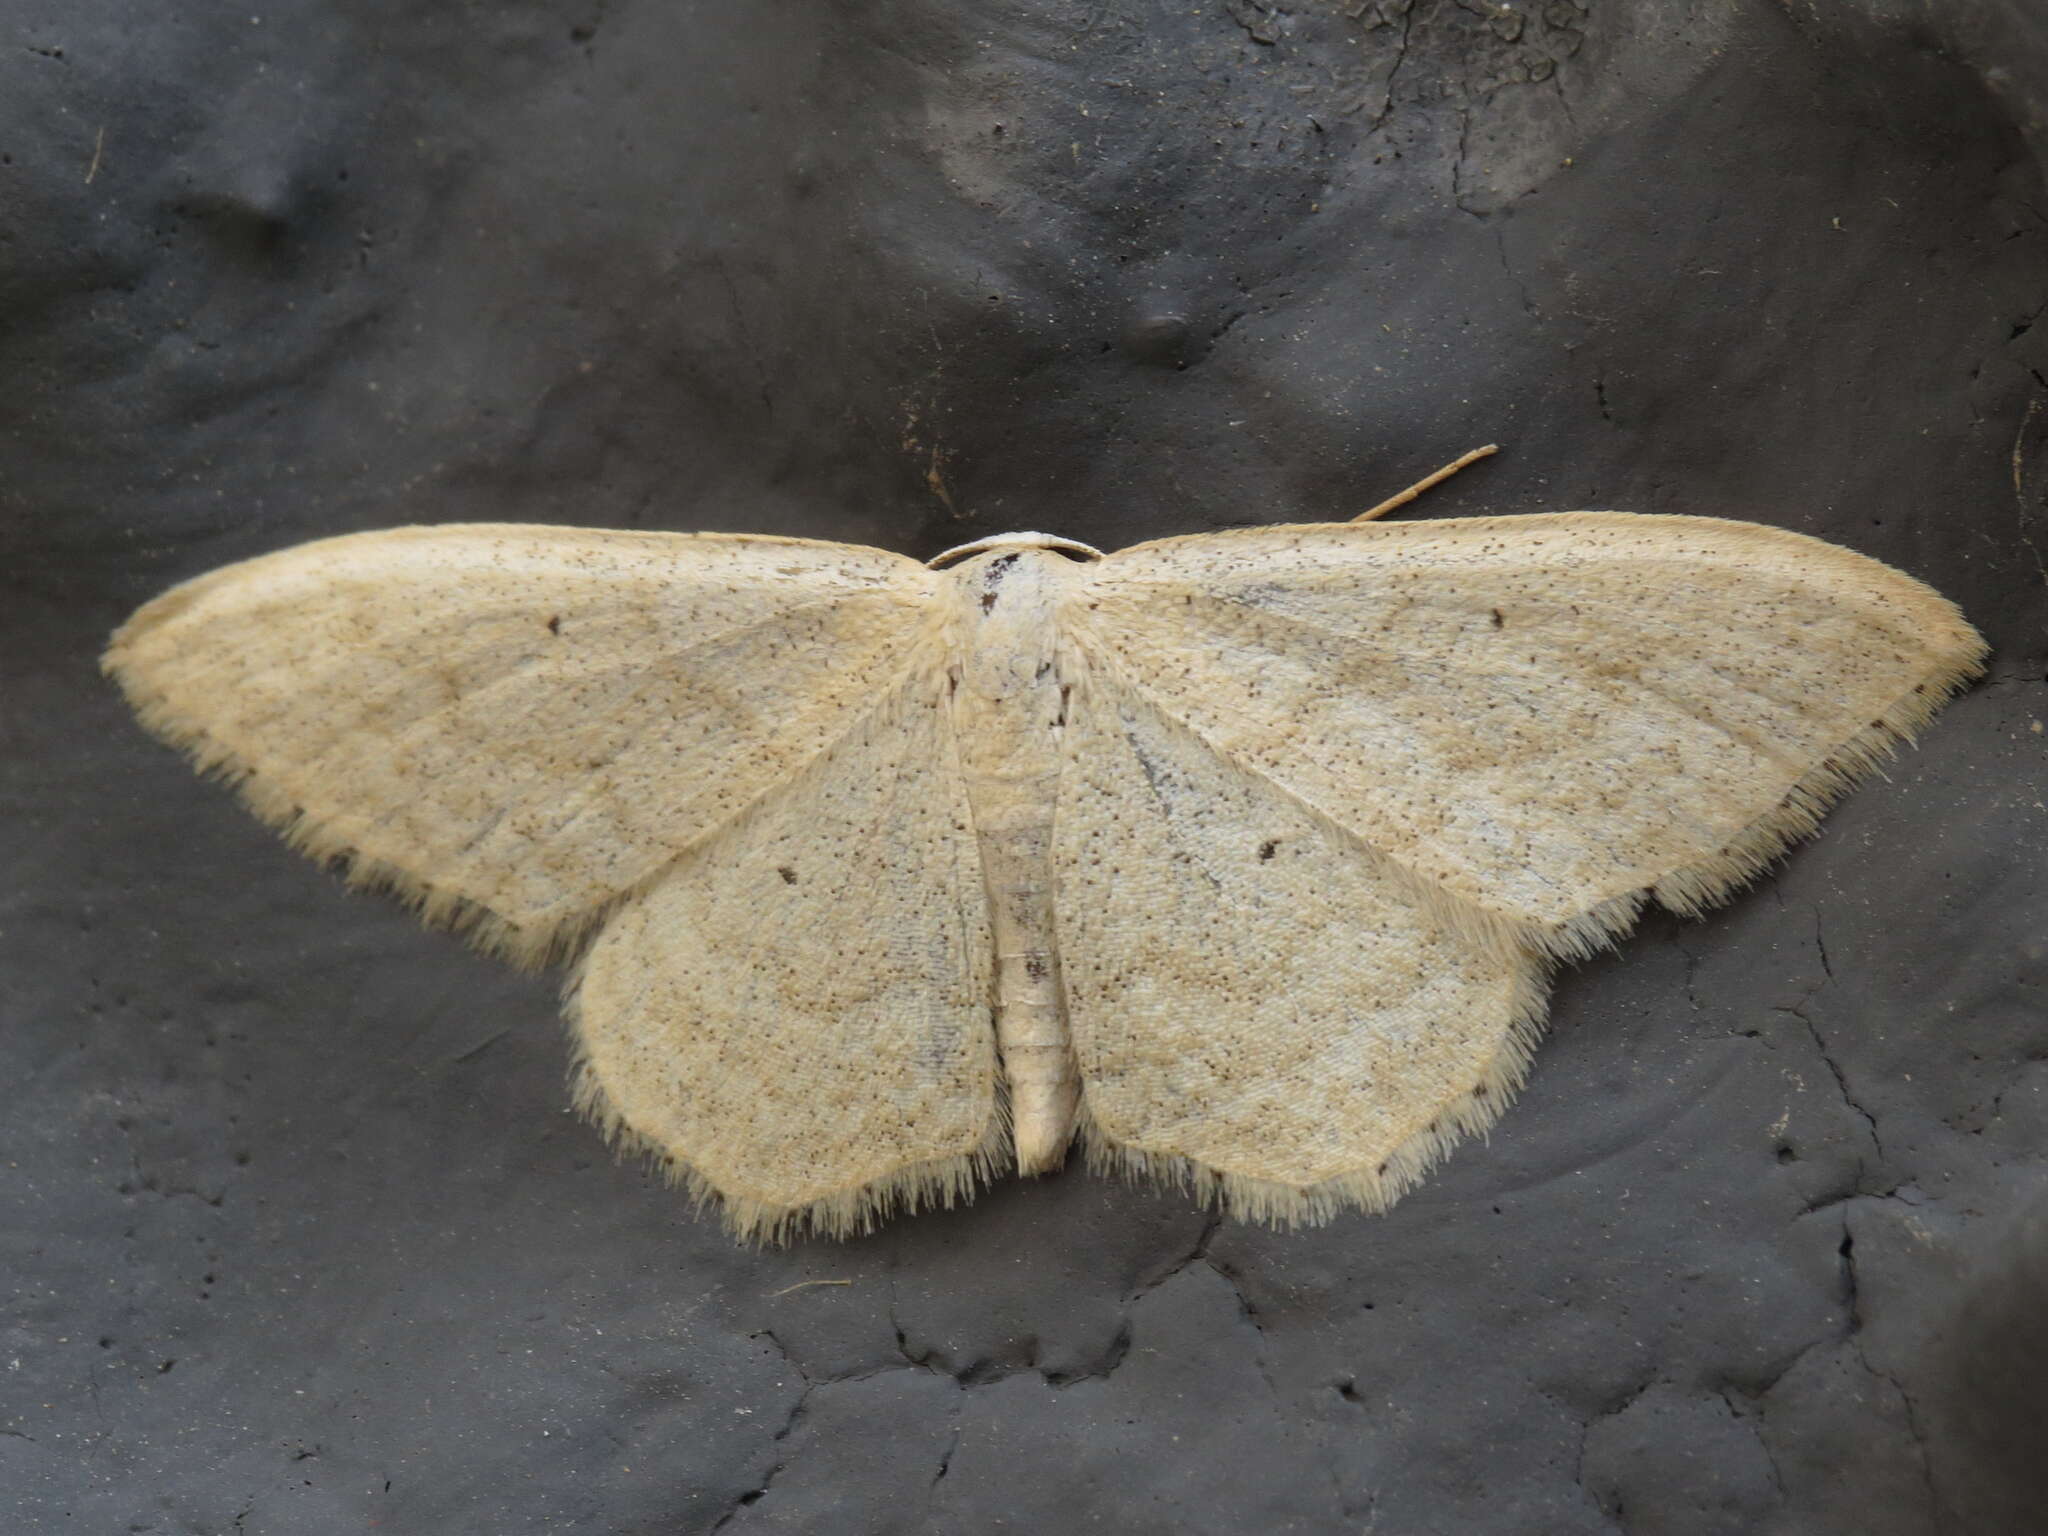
<point x="1415" y="490"/>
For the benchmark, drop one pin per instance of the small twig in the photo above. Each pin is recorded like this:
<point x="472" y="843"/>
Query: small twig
<point x="803" y="1283"/>
<point x="99" y="143"/>
<point x="1425" y="483"/>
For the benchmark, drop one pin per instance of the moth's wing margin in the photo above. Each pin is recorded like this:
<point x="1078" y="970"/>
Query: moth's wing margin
<point x="795" y="1018"/>
<point x="1261" y="1008"/>
<point x="1545" y="718"/>
<point x="511" y="726"/>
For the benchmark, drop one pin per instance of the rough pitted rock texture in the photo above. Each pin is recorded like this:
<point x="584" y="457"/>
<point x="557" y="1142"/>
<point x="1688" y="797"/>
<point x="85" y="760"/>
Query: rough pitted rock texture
<point x="298" y="1234"/>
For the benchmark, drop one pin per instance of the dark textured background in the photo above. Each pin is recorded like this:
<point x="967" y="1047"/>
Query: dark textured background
<point x="297" y="1232"/>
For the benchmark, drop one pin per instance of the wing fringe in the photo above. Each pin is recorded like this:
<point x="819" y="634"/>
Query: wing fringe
<point x="1699" y="887"/>
<point x="1470" y="1111"/>
<point x="527" y="948"/>
<point x="938" y="1183"/>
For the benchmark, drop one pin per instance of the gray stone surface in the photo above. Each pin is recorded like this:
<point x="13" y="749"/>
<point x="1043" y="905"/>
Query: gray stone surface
<point x="296" y="1232"/>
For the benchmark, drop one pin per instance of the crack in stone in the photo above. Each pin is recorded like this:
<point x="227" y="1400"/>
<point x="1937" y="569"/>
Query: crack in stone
<point x="1218" y="332"/>
<point x="1622" y="1404"/>
<point x="917" y="1362"/>
<point x="1262" y="22"/>
<point x="1251" y="1315"/>
<point x="1798" y="1011"/>
<point x="99" y="1413"/>
<point x="2019" y="472"/>
<point x="931" y="1491"/>
<point x="1626" y="1401"/>
<point x="754" y="1495"/>
<point x="782" y="1349"/>
<point x="1458" y="165"/>
<point x="1400" y="57"/>
<point x="1199" y="1254"/>
<point x="141" y="1181"/>
<point x="1557" y="84"/>
<point x="1854" y="1300"/>
<point x="1852" y="1315"/>
<point x="1212" y="1223"/>
<point x="984" y="1373"/>
<point x="1500" y="245"/>
<point x="1852" y="1290"/>
<point x="1692" y="971"/>
<point x="1579" y="1460"/>
<point x="976" y="1376"/>
<point x="797" y="1410"/>
<point x="946" y="1457"/>
<point x="1820" y="1044"/>
<point x="1828" y="1202"/>
<point x="754" y="351"/>
<point x="1798" y="1355"/>
<point x="1913" y="1428"/>
<point x="1755" y="1420"/>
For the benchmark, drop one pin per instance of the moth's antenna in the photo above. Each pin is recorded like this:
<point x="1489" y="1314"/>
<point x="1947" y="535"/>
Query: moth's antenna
<point x="1425" y="483"/>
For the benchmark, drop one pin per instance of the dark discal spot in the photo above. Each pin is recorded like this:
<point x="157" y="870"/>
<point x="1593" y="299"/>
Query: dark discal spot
<point x="1044" y="667"/>
<point x="1066" y="692"/>
<point x="1498" y="621"/>
<point x="554" y="623"/>
<point x="1034" y="967"/>
<point x="788" y="875"/>
<point x="1479" y="1092"/>
<point x="1267" y="849"/>
<point x="988" y="601"/>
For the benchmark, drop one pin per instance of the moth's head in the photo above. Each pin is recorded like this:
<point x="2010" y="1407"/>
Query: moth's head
<point x="1010" y="543"/>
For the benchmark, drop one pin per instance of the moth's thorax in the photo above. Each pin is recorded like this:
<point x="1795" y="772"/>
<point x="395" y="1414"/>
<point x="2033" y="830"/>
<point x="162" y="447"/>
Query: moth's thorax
<point x="1004" y="605"/>
<point x="1004" y="669"/>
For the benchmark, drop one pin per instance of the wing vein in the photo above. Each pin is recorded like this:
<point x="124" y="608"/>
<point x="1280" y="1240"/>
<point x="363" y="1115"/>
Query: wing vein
<point x="1506" y="668"/>
<point x="1482" y="921"/>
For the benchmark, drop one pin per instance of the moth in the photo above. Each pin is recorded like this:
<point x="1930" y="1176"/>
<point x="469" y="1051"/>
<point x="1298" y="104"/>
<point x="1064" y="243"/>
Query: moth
<point x="1245" y="857"/>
